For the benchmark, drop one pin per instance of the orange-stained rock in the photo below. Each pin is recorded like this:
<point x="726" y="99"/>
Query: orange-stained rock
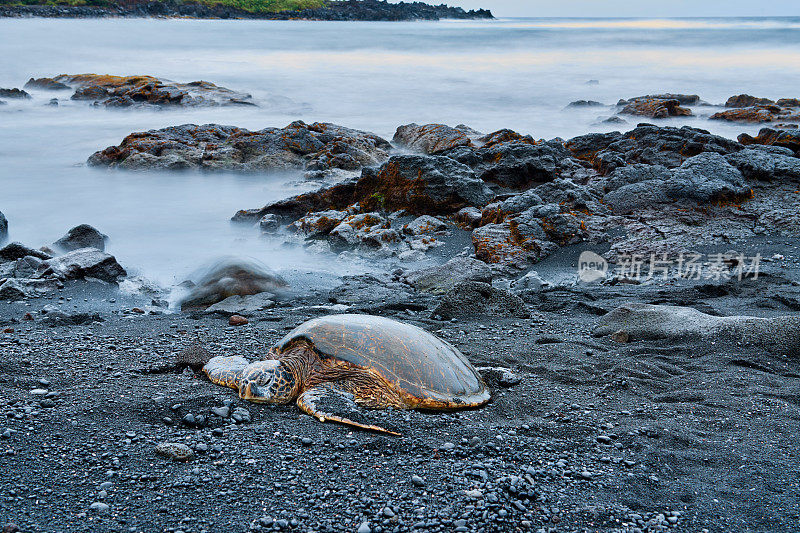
<point x="655" y="108"/>
<point x="237" y="320"/>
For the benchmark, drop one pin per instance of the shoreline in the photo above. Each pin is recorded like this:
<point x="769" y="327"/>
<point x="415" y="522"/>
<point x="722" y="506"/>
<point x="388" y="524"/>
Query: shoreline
<point x="343" y="11"/>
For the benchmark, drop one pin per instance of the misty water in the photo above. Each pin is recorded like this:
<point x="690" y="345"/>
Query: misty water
<point x="513" y="73"/>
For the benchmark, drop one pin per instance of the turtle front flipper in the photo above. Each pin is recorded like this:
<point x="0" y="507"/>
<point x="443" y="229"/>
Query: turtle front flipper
<point x="226" y="371"/>
<point x="326" y="399"/>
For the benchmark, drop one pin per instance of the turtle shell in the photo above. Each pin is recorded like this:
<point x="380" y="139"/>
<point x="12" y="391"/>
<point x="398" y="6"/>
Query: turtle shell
<point x="418" y="363"/>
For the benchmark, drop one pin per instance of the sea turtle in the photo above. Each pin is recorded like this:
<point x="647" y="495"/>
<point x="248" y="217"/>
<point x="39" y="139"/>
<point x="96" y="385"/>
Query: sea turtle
<point x="329" y="365"/>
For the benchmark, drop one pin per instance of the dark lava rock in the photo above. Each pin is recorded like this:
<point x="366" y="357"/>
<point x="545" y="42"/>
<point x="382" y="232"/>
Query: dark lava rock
<point x="471" y="299"/>
<point x="440" y="279"/>
<point x="193" y="356"/>
<point x="414" y="183"/>
<point x="705" y="178"/>
<point x="649" y="144"/>
<point x="3" y="228"/>
<point x="15" y="250"/>
<point x="60" y="318"/>
<point x="125" y="91"/>
<point x="653" y="107"/>
<point x="585" y="103"/>
<point x="773" y="137"/>
<point x="758" y="114"/>
<point x="46" y="84"/>
<point x="759" y="164"/>
<point x="83" y="263"/>
<point x="231" y="277"/>
<point x="299" y="145"/>
<point x="83" y="236"/>
<point x="430" y="138"/>
<point x="745" y="100"/>
<point x="14" y="93"/>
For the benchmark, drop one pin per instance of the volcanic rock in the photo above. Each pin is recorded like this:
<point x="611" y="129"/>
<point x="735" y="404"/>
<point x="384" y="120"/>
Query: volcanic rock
<point x="214" y="147"/>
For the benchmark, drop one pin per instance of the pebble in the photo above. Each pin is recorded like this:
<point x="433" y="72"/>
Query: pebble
<point x="418" y="481"/>
<point x="237" y="320"/>
<point x="99" y="507"/>
<point x="175" y="451"/>
<point x="364" y="528"/>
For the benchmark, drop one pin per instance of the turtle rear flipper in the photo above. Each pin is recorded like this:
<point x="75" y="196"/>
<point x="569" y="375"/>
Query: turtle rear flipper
<point x="325" y="400"/>
<point x="226" y="371"/>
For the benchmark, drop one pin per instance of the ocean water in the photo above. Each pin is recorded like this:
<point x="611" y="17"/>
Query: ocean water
<point x="509" y="73"/>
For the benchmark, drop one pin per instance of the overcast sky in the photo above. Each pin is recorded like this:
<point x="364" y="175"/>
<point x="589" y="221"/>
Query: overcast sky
<point x="632" y="8"/>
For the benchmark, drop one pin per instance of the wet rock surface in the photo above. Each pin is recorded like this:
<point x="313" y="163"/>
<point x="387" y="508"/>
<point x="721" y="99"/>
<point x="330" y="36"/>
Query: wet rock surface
<point x="317" y="146"/>
<point x="128" y="91"/>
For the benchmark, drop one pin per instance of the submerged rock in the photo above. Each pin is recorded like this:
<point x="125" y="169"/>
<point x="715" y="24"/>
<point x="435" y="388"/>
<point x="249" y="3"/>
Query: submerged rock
<point x="46" y="84"/>
<point x="652" y="322"/>
<point x="299" y="145"/>
<point x="83" y="236"/>
<point x="18" y="94"/>
<point x="745" y="100"/>
<point x="125" y="91"/>
<point x="231" y="277"/>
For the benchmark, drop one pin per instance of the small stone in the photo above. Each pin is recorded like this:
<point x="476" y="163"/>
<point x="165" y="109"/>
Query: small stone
<point x="39" y="392"/>
<point x="237" y="320"/>
<point x="418" y="481"/>
<point x="307" y="441"/>
<point x="99" y="507"/>
<point x="620" y="336"/>
<point x="364" y="528"/>
<point x="175" y="451"/>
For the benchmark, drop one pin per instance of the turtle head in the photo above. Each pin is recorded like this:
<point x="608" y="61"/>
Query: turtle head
<point x="267" y="382"/>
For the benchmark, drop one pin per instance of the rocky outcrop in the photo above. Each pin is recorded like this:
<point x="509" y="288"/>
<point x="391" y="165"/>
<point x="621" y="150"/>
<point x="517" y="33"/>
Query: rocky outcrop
<point x="83" y="236"/>
<point x="654" y="107"/>
<point x="771" y="137"/>
<point x="81" y="264"/>
<point x="317" y="146"/>
<point x="430" y="138"/>
<point x="750" y="109"/>
<point x="127" y="91"/>
<point x="648" y="144"/>
<point x="413" y="183"/>
<point x="766" y="163"/>
<point x="46" y="84"/>
<point x="745" y="100"/>
<point x="3" y="229"/>
<point x="339" y="10"/>
<point x="17" y="94"/>
<point x="647" y="322"/>
<point x="470" y="299"/>
<point x="440" y="279"/>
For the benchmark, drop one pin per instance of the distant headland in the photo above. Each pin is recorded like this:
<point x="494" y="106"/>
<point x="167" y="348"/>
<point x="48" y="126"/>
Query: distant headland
<point x="335" y="10"/>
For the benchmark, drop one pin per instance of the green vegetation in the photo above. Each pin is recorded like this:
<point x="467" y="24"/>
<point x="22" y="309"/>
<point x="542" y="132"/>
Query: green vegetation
<point x="271" y="6"/>
<point x="254" y="6"/>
